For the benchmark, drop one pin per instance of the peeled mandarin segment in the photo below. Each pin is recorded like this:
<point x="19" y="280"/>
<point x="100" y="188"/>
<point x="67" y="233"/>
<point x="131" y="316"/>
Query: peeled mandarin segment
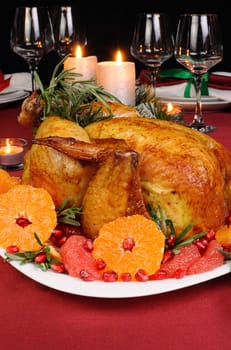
<point x="7" y="181"/>
<point x="128" y="244"/>
<point x="34" y="204"/>
<point x="223" y="236"/>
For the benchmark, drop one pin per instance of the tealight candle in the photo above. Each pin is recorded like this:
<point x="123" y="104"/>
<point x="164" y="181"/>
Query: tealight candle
<point x="86" y="66"/>
<point x="11" y="151"/>
<point x="173" y="109"/>
<point x="117" y="78"/>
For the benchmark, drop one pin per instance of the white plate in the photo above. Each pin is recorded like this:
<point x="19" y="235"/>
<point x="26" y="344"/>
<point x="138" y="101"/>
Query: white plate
<point x="188" y="104"/>
<point x="68" y="284"/>
<point x="17" y="95"/>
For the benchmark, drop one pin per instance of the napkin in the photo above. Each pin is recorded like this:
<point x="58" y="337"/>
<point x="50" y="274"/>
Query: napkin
<point x="217" y="84"/>
<point x="18" y="81"/>
<point x="4" y="82"/>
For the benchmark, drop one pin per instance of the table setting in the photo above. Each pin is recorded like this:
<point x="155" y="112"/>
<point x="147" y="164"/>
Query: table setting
<point x="114" y="223"/>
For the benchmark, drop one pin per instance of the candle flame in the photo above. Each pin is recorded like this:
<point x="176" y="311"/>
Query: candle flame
<point x="78" y="53"/>
<point x="119" y="57"/>
<point x="169" y="107"/>
<point x="8" y="148"/>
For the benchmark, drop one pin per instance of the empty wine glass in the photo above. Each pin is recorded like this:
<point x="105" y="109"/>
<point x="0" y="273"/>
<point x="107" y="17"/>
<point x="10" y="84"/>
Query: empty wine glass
<point x="198" y="47"/>
<point x="32" y="36"/>
<point x="68" y="30"/>
<point x="152" y="42"/>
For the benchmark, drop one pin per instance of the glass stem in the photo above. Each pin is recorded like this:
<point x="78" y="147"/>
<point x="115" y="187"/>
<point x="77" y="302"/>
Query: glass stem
<point x="198" y="118"/>
<point x="153" y="78"/>
<point x="33" y="68"/>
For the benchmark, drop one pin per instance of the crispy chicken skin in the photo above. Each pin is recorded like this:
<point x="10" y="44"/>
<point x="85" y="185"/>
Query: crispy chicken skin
<point x="114" y="190"/>
<point x="59" y="174"/>
<point x="184" y="172"/>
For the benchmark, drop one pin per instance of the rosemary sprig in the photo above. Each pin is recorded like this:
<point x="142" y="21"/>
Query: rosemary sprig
<point x="167" y="227"/>
<point x="68" y="215"/>
<point x="72" y="99"/>
<point x="29" y="256"/>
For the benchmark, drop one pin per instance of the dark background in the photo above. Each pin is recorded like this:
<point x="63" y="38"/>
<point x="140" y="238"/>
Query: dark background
<point x="109" y="28"/>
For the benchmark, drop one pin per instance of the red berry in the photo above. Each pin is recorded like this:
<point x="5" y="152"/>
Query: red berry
<point x="128" y="244"/>
<point x="100" y="264"/>
<point x="12" y="249"/>
<point x="57" y="267"/>
<point x="86" y="276"/>
<point x="61" y="241"/>
<point x="88" y="245"/>
<point x="141" y="276"/>
<point x="110" y="276"/>
<point x="179" y="273"/>
<point x="126" y="277"/>
<point x="159" y="275"/>
<point x="23" y="222"/>
<point x="171" y="241"/>
<point x="210" y="235"/>
<point x="168" y="254"/>
<point x="40" y="258"/>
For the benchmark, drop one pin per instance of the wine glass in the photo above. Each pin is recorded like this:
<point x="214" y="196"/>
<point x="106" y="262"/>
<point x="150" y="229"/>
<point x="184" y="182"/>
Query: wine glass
<point x="198" y="47"/>
<point x="153" y="42"/>
<point x="67" y="30"/>
<point x="32" y="36"/>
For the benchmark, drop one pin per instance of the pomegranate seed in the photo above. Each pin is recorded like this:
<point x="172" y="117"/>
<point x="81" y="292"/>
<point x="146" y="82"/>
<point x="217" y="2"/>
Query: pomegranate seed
<point x="110" y="276"/>
<point x="86" y="276"/>
<point x="88" y="245"/>
<point x="179" y="273"/>
<point x="141" y="276"/>
<point x="53" y="240"/>
<point x="23" y="222"/>
<point x="211" y="234"/>
<point x="171" y="241"/>
<point x="57" y="267"/>
<point x="61" y="241"/>
<point x="40" y="258"/>
<point x="159" y="275"/>
<point x="168" y="254"/>
<point x="100" y="264"/>
<point x="69" y="230"/>
<point x="57" y="234"/>
<point x="200" y="245"/>
<point x="128" y="244"/>
<point x="126" y="277"/>
<point x="12" y="249"/>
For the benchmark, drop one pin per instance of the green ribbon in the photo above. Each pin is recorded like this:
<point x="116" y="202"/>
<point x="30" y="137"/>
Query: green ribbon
<point x="186" y="75"/>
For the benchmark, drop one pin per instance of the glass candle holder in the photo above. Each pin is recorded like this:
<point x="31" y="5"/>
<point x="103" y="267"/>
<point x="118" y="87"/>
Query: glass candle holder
<point x="12" y="150"/>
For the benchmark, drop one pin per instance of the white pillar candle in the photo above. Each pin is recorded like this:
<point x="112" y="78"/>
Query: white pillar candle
<point x="82" y="65"/>
<point x="117" y="78"/>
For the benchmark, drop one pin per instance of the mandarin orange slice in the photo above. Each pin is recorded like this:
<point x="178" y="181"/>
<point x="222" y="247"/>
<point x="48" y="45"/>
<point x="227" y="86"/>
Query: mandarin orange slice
<point x="128" y="244"/>
<point x="7" y="181"/>
<point x="223" y="236"/>
<point x="24" y="211"/>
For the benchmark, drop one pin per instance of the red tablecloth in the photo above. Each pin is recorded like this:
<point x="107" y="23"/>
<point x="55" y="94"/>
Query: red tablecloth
<point x="35" y="317"/>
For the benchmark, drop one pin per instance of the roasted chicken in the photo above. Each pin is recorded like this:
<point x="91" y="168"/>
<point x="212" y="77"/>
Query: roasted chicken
<point x="184" y="172"/>
<point x="114" y="190"/>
